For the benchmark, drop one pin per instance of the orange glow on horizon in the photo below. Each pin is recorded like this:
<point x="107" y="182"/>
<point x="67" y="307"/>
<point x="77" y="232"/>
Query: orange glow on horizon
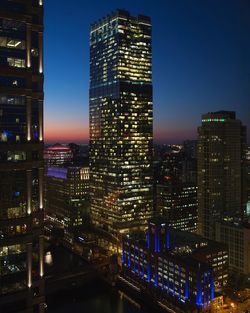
<point x="66" y="133"/>
<point x="174" y="135"/>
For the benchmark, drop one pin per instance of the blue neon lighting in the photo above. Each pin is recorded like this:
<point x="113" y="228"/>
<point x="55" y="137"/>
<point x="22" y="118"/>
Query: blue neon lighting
<point x="36" y="135"/>
<point x="129" y="259"/>
<point x="159" y="242"/>
<point x="156" y="279"/>
<point x="148" y="237"/>
<point x="7" y="133"/>
<point x="199" y="290"/>
<point x="186" y="286"/>
<point x="212" y="285"/>
<point x="149" y="273"/>
<point x="167" y="239"/>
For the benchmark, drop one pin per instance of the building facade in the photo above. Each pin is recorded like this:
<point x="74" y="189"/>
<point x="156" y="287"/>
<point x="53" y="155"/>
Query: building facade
<point x="21" y="156"/>
<point x="247" y="181"/>
<point x="67" y="196"/>
<point x="237" y="237"/>
<point x="177" y="203"/>
<point x="58" y="155"/>
<point x="221" y="152"/>
<point x="173" y="266"/>
<point x="121" y="122"/>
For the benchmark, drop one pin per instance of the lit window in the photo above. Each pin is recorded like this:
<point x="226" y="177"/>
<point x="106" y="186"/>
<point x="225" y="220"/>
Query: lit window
<point x="16" y="62"/>
<point x="12" y="43"/>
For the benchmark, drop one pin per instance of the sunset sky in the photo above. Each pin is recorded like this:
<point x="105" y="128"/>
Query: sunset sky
<point x="201" y="63"/>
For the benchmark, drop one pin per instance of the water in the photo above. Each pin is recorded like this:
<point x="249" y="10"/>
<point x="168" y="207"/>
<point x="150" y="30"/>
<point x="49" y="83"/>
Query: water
<point x="94" y="297"/>
<point x="60" y="260"/>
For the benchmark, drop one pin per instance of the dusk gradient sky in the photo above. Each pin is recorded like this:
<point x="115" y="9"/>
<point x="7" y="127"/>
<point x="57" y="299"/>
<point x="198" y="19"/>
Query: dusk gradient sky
<point x="201" y="63"/>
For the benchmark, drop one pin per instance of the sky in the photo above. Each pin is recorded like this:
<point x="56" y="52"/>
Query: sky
<point x="201" y="63"/>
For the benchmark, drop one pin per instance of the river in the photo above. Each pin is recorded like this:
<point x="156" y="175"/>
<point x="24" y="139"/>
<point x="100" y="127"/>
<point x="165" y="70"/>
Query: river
<point x="96" y="297"/>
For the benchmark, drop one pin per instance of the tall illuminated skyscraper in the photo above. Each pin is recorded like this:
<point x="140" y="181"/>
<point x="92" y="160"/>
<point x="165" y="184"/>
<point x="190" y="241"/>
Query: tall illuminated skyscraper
<point x="121" y="122"/>
<point x="221" y="153"/>
<point x="21" y="156"/>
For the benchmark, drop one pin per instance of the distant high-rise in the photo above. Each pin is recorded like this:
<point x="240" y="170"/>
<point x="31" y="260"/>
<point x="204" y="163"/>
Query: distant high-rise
<point x="177" y="203"/>
<point x="21" y="156"/>
<point x="121" y="121"/>
<point x="221" y="152"/>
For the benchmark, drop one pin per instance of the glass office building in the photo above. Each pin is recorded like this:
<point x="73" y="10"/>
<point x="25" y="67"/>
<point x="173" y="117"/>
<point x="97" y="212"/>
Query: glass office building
<point x="21" y="156"/>
<point x="121" y="122"/>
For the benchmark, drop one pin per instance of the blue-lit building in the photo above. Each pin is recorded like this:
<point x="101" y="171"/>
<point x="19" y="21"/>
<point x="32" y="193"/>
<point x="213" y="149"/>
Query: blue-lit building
<point x="164" y="262"/>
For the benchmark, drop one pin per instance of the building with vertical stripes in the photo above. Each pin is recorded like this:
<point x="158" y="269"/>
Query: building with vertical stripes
<point x="180" y="267"/>
<point x="21" y="156"/>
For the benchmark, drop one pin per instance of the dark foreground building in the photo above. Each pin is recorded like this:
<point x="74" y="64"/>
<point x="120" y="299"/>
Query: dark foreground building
<point x="180" y="267"/>
<point x="121" y="122"/>
<point x="21" y="156"/>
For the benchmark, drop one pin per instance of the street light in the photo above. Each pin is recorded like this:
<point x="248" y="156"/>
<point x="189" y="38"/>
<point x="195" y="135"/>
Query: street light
<point x="233" y="306"/>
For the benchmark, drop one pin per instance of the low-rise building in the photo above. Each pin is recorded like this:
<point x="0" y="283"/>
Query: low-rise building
<point x="166" y="261"/>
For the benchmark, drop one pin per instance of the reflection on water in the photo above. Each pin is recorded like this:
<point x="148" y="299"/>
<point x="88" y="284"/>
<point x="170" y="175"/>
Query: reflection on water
<point x="48" y="258"/>
<point x="95" y="297"/>
<point x="60" y="260"/>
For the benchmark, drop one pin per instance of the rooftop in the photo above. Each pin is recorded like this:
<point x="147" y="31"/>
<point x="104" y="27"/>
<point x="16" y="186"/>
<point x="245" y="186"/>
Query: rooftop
<point x="58" y="147"/>
<point x="122" y="14"/>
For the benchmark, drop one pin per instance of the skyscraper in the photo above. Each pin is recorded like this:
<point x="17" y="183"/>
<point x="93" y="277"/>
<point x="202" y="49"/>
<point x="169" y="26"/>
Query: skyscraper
<point x="221" y="152"/>
<point x="121" y="122"/>
<point x="21" y="156"/>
